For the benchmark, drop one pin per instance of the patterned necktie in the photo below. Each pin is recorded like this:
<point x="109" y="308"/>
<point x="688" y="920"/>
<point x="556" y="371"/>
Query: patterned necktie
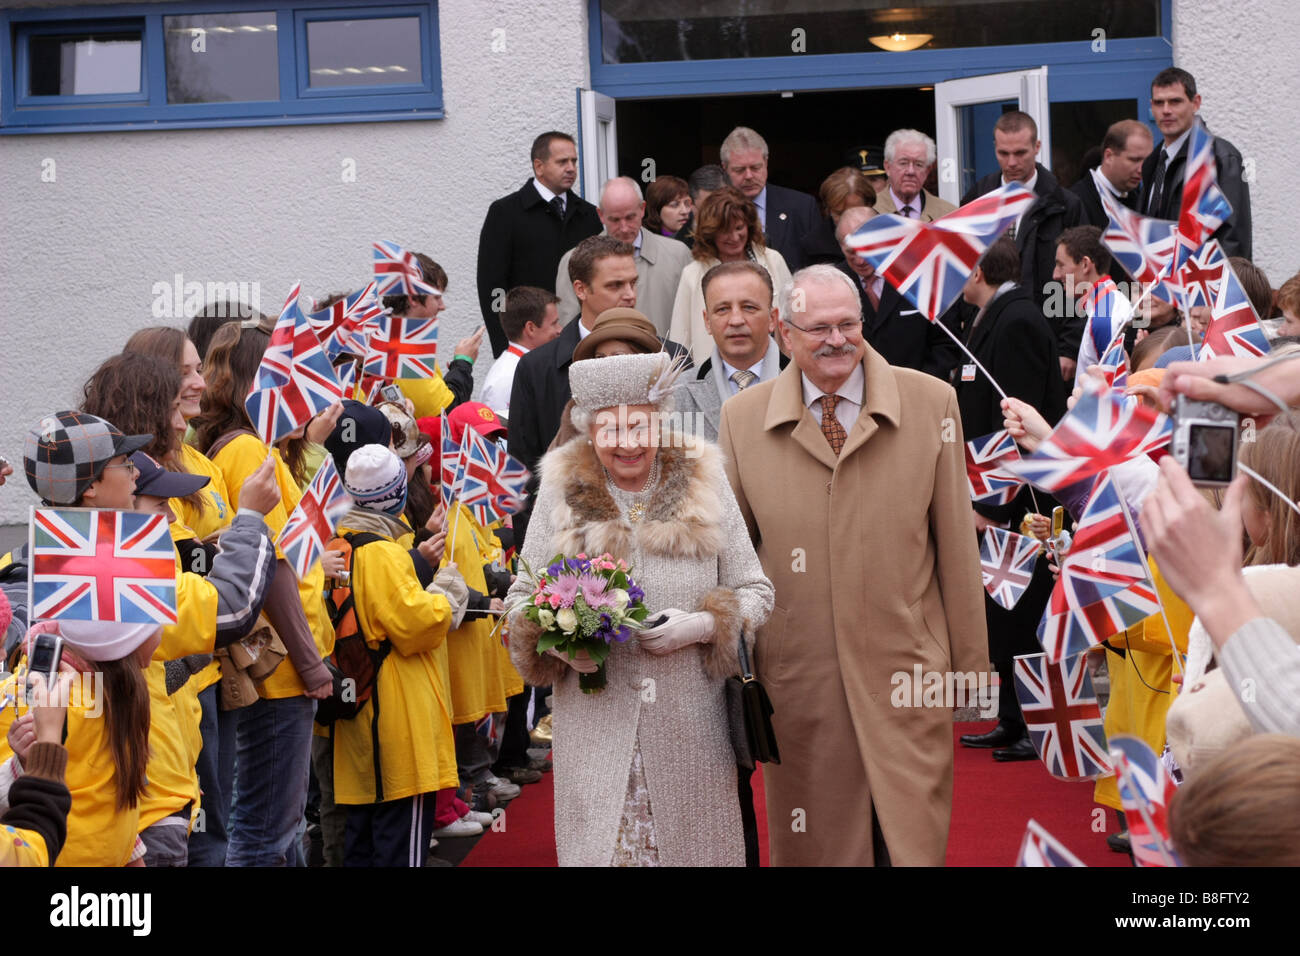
<point x="831" y="427"/>
<point x="743" y="378"/>
<point x="557" y="204"/>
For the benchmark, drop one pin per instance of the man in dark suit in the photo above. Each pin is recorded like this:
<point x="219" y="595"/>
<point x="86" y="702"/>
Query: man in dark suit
<point x="1123" y="150"/>
<point x="1016" y="144"/>
<point x="1015" y="344"/>
<point x="890" y="324"/>
<point x="786" y="215"/>
<point x="1175" y="105"/>
<point x="603" y="272"/>
<point x="526" y="233"/>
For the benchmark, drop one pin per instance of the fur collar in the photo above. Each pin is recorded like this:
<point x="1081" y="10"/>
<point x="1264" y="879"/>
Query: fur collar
<point x="683" y="518"/>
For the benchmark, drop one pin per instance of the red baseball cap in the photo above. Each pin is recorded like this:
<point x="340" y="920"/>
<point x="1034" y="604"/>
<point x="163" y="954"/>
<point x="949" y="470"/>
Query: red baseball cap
<point x="474" y="415"/>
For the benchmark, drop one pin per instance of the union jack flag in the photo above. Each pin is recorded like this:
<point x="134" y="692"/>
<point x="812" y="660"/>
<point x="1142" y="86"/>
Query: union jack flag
<point x="344" y="328"/>
<point x="347" y="373"/>
<point x="1105" y="316"/>
<point x="1007" y="563"/>
<point x="492" y="479"/>
<point x="1100" y="431"/>
<point x="929" y="262"/>
<point x="295" y="381"/>
<point x="1145" y="789"/>
<point x="402" y="348"/>
<point x="1040" y="848"/>
<point x="1234" y="327"/>
<point x="92" y="565"/>
<point x="311" y="526"/>
<point x="1200" y="275"/>
<point x="1062" y="715"/>
<point x="1204" y="207"/>
<point x="1114" y="364"/>
<point x="1104" y="586"/>
<point x="989" y="482"/>
<point x="452" y="465"/>
<point x="1142" y="245"/>
<point x="397" y="272"/>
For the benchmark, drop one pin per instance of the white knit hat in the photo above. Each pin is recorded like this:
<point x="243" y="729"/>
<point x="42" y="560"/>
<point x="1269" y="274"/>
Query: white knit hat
<point x="98" y="640"/>
<point x="624" y="380"/>
<point x="376" y="480"/>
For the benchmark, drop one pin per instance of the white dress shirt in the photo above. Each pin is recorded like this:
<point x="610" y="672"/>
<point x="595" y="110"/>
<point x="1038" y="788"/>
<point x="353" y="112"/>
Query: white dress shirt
<point x="1172" y="149"/>
<point x="852" y="393"/>
<point x="916" y="202"/>
<point x="546" y="193"/>
<point x="501" y="378"/>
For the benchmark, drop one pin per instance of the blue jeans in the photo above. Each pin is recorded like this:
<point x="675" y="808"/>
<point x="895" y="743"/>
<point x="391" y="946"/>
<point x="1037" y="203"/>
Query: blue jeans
<point x="274" y="752"/>
<point x="216" y="769"/>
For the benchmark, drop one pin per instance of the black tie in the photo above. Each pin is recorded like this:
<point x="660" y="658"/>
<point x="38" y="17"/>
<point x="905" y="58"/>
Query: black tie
<point x="907" y="212"/>
<point x="1158" y="184"/>
<point x="557" y="203"/>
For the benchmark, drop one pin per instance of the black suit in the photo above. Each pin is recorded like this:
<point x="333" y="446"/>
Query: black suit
<point x="1015" y="343"/>
<point x="521" y="243"/>
<point x="790" y="215"/>
<point x="1235" y="233"/>
<point x="1094" y="214"/>
<point x="1054" y="211"/>
<point x="537" y="399"/>
<point x="899" y="332"/>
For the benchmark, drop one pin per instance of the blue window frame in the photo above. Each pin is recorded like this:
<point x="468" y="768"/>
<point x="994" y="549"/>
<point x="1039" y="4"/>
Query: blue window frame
<point x="407" y="85"/>
<point x="1075" y="72"/>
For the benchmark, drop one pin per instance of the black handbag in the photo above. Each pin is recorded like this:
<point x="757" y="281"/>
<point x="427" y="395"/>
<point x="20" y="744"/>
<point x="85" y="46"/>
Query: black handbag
<point x="749" y="713"/>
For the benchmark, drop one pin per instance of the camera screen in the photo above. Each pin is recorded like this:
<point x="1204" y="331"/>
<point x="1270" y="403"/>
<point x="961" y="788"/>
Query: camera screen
<point x="1210" y="452"/>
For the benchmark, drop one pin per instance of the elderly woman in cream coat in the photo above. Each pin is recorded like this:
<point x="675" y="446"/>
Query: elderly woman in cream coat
<point x="644" y="770"/>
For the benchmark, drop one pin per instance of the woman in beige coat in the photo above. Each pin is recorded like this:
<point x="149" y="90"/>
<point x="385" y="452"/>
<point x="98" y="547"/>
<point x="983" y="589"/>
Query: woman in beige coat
<point x="726" y="230"/>
<point x="644" y="770"/>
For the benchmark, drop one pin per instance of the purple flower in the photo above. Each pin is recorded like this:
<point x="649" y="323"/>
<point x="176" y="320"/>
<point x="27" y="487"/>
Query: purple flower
<point x="634" y="593"/>
<point x="622" y="634"/>
<point x="555" y="569"/>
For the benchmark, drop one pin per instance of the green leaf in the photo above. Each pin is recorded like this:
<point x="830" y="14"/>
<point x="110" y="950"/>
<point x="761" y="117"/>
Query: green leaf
<point x="548" y="640"/>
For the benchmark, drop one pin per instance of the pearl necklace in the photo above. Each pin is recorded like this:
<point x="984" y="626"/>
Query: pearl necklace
<point x="636" y="511"/>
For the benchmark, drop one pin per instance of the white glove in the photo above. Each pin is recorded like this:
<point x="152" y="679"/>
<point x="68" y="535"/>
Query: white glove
<point x="680" y="630"/>
<point x="449" y="583"/>
<point x="581" y="662"/>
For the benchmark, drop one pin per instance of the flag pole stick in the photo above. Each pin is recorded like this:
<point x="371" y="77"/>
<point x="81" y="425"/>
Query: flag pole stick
<point x="1139" y="801"/>
<point x="992" y="381"/>
<point x="1142" y="555"/>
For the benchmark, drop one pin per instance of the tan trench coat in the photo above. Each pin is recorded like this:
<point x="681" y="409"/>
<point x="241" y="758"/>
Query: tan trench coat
<point x="876" y="567"/>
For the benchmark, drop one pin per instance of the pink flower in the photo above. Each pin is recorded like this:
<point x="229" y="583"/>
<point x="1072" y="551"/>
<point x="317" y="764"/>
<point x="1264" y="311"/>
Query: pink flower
<point x="622" y="565"/>
<point x="564" y="589"/>
<point x="593" y="590"/>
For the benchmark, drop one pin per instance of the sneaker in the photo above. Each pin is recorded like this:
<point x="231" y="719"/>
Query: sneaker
<point x="482" y="819"/>
<point x="464" y="827"/>
<point x="483" y="800"/>
<point x="522" y="775"/>
<point x="504" y="789"/>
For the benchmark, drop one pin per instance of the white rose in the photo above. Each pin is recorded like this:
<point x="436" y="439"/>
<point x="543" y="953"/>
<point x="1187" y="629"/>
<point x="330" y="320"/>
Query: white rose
<point x="567" y="618"/>
<point x="545" y="618"/>
<point x="620" y="599"/>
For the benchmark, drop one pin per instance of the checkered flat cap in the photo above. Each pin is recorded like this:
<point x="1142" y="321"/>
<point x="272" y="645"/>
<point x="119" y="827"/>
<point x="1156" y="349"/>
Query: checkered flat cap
<point x="67" y="451"/>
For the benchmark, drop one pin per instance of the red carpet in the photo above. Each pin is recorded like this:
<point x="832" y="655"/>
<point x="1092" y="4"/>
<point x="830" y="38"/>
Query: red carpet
<point x="992" y="802"/>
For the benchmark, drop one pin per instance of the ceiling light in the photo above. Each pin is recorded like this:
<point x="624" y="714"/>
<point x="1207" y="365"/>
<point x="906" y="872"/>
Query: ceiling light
<point x="902" y="42"/>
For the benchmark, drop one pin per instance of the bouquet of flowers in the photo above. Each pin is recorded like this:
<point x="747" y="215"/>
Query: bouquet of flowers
<point x="585" y="604"/>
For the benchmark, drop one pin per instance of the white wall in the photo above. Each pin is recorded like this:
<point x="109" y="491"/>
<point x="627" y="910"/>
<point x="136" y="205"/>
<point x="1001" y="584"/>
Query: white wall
<point x="266" y="205"/>
<point x="1243" y="54"/>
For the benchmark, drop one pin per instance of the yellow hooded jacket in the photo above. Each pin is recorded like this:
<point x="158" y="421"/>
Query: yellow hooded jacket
<point x="416" y="751"/>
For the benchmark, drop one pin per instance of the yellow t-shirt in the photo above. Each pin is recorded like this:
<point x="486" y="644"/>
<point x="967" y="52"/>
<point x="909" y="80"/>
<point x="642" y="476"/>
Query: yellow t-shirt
<point x="99" y="833"/>
<point x="173" y="781"/>
<point x="240" y="457"/>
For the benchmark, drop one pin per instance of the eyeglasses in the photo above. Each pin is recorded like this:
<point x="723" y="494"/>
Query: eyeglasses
<point x="135" y="472"/>
<point x="847" y="329"/>
<point x="910" y="163"/>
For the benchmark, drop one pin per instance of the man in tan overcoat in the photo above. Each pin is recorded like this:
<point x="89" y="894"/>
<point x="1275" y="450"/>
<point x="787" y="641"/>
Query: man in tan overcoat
<point x="862" y="519"/>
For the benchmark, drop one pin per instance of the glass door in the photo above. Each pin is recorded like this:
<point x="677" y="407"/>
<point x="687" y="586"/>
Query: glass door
<point x="964" y="113"/>
<point x="598" y="143"/>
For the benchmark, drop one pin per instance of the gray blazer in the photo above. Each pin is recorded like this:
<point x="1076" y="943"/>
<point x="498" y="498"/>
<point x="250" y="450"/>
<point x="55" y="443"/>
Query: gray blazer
<point x="658" y="269"/>
<point x="700" y="402"/>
